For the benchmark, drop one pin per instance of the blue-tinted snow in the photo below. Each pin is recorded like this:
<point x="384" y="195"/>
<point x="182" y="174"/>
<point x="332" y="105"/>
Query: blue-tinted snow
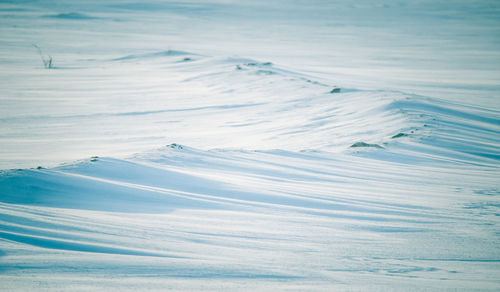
<point x="263" y="189"/>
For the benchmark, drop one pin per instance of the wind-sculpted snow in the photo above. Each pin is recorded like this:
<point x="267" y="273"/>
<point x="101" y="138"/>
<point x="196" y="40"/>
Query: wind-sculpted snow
<point x="217" y="102"/>
<point x="298" y="219"/>
<point x="383" y="184"/>
<point x="263" y="145"/>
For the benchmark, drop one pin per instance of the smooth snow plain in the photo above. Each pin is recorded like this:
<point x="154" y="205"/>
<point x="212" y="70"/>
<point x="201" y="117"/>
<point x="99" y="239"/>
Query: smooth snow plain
<point x="200" y="145"/>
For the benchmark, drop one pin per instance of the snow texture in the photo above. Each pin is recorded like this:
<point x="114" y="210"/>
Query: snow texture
<point x="249" y="145"/>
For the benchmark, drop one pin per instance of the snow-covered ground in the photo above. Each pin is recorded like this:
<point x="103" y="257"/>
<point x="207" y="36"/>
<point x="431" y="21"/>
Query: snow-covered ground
<point x="266" y="145"/>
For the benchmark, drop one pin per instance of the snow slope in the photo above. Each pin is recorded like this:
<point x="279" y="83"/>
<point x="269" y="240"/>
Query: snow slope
<point x="306" y="145"/>
<point x="180" y="218"/>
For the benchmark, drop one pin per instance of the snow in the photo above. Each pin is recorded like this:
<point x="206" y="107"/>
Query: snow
<point x="202" y="145"/>
<point x="240" y="219"/>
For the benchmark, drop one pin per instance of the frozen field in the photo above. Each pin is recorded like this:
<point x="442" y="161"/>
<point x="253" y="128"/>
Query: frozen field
<point x="267" y="145"/>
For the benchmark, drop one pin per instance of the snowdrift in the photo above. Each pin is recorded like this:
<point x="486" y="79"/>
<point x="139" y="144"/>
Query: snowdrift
<point x="189" y="146"/>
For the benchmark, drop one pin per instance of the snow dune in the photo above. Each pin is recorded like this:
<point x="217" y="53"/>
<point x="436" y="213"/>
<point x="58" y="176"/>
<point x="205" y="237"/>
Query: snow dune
<point x="191" y="219"/>
<point x="333" y="146"/>
<point x="220" y="102"/>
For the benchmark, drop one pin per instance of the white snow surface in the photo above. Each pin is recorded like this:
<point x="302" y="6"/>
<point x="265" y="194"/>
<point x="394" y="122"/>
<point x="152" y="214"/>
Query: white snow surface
<point x="201" y="146"/>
